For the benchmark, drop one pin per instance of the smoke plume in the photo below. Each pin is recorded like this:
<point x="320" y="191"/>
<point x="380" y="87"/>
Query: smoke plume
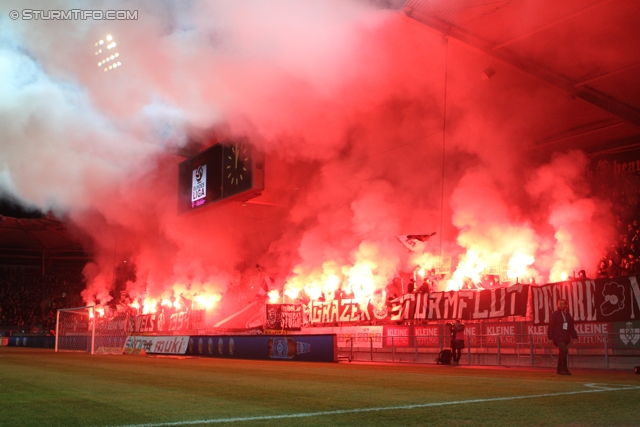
<point x="346" y="100"/>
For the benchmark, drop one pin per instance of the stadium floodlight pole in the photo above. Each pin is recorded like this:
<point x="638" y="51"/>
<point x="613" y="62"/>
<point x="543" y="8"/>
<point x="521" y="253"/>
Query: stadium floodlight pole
<point x="92" y="310"/>
<point x="57" y="326"/>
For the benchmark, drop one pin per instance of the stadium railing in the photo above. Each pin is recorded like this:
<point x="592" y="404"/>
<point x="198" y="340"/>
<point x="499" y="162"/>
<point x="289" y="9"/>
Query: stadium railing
<point x="592" y="351"/>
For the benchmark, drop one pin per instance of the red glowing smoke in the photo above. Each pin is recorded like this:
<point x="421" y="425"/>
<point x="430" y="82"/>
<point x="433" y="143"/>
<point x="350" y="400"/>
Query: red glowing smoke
<point x="347" y="102"/>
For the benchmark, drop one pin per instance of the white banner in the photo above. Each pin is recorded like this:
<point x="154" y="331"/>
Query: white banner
<point x="159" y="345"/>
<point x="362" y="336"/>
<point x="199" y="183"/>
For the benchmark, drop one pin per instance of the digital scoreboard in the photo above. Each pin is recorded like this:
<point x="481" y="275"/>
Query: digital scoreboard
<point x="227" y="171"/>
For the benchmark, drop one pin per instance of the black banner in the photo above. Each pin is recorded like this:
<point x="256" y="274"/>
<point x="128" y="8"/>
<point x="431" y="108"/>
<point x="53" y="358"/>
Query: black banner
<point x="467" y="305"/>
<point x="116" y="323"/>
<point x="162" y="322"/>
<point x="601" y="300"/>
<point x="287" y="317"/>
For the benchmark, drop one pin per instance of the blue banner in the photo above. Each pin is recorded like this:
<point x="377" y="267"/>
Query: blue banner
<point x="311" y="348"/>
<point x="39" y="342"/>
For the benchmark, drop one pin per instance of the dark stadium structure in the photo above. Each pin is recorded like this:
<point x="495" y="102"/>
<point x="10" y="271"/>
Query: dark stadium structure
<point x="40" y="242"/>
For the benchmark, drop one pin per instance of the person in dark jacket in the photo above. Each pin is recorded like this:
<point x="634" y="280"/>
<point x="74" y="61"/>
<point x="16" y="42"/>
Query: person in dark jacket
<point x="457" y="340"/>
<point x="613" y="270"/>
<point x="561" y="330"/>
<point x="603" y="271"/>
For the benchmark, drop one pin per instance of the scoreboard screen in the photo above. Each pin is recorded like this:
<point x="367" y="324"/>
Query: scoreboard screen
<point x="227" y="170"/>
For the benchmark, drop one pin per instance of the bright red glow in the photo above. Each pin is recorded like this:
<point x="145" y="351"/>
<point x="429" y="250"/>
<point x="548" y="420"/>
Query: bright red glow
<point x="341" y="114"/>
<point x="274" y="296"/>
<point x="99" y="311"/>
<point x="207" y="301"/>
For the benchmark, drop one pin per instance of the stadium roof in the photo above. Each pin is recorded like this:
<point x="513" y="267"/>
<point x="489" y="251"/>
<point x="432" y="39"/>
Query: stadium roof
<point x="36" y="240"/>
<point x="589" y="50"/>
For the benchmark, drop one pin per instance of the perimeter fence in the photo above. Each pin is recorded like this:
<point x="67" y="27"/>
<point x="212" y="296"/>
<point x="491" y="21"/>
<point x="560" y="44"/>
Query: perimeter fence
<point x="590" y="351"/>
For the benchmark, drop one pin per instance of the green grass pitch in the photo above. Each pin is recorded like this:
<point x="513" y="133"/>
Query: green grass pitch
<point x="42" y="388"/>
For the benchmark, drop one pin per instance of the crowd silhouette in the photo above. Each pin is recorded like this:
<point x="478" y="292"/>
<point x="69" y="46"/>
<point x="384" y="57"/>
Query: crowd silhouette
<point x="29" y="299"/>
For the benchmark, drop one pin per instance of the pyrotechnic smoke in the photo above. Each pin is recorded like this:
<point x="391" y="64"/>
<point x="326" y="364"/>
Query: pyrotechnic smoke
<point x="346" y="100"/>
<point x="582" y="223"/>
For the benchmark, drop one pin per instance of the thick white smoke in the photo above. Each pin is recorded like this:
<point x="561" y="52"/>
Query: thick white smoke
<point x="346" y="100"/>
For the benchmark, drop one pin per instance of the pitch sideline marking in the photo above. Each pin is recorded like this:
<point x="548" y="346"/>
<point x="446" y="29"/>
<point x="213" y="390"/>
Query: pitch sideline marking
<point x="466" y="377"/>
<point x="609" y="386"/>
<point x="383" y="408"/>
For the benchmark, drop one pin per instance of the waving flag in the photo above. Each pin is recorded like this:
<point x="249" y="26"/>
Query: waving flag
<point x="266" y="283"/>
<point x="415" y="242"/>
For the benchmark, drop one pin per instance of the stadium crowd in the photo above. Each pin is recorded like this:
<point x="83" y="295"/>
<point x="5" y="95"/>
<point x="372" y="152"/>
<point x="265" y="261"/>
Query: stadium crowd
<point x="622" y="257"/>
<point x="29" y="299"/>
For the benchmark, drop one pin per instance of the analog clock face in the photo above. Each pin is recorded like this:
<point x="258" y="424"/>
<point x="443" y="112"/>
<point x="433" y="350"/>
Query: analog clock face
<point x="236" y="164"/>
<point x="236" y="169"/>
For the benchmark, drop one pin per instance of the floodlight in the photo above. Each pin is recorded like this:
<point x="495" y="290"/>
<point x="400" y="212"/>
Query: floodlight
<point x="109" y="44"/>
